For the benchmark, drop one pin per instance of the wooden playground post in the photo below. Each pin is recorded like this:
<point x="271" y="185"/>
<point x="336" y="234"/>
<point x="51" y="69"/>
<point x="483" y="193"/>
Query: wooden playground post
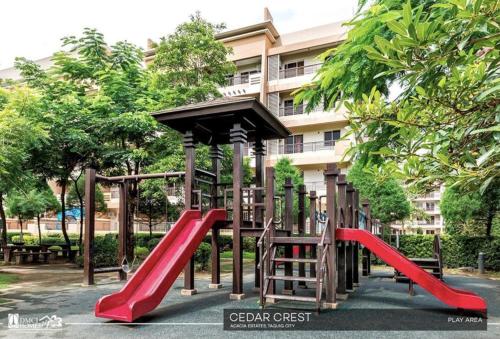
<point x="288" y="219"/>
<point x="355" y="270"/>
<point x="122" y="226"/>
<point x="238" y="137"/>
<point x="269" y="216"/>
<point x="312" y="230"/>
<point x="341" y="260"/>
<point x="216" y="155"/>
<point x="366" y="251"/>
<point x="349" y="248"/>
<point x="301" y="229"/>
<point x="331" y="174"/>
<point x="190" y="151"/>
<point x="259" y="152"/>
<point x="88" y="264"/>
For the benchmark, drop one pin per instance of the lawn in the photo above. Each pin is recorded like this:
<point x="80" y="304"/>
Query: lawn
<point x="229" y="255"/>
<point x="6" y="279"/>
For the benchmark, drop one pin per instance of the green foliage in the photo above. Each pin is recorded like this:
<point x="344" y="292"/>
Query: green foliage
<point x="248" y="244"/>
<point x="470" y="213"/>
<point x="141" y="252"/>
<point x="78" y="188"/>
<point x="55" y="248"/>
<point x="285" y="169"/>
<point x="443" y="127"/>
<point x="26" y="206"/>
<point x="457" y="250"/>
<point x="190" y="63"/>
<point x="152" y="243"/>
<point x="387" y="198"/>
<point x="106" y="250"/>
<point x="202" y="256"/>
<point x="47" y="239"/>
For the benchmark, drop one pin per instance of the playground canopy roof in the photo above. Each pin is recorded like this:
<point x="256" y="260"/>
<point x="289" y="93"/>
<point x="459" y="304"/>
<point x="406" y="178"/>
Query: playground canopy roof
<point x="211" y="121"/>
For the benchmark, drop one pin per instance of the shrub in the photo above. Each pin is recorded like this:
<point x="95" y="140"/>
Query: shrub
<point x="106" y="250"/>
<point x="141" y="252"/>
<point x="202" y="256"/>
<point x="249" y="244"/>
<point x="55" y="248"/>
<point x="151" y="244"/>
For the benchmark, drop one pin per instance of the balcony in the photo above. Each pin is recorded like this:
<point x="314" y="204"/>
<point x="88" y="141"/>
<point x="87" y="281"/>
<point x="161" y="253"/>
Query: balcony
<point x="314" y="154"/>
<point x="299" y="71"/>
<point x="306" y="147"/>
<point x="242" y="84"/>
<point x="285" y="111"/>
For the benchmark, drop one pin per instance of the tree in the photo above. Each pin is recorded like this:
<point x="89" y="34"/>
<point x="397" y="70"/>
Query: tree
<point x="25" y="206"/>
<point x="443" y="127"/>
<point x="47" y="202"/>
<point x="470" y="212"/>
<point x="76" y="198"/>
<point x="285" y="169"/>
<point x="191" y="64"/>
<point x="388" y="201"/>
<point x="19" y="136"/>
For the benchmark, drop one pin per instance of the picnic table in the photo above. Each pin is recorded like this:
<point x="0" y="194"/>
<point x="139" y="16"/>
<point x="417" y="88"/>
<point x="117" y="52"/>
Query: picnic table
<point x="25" y="253"/>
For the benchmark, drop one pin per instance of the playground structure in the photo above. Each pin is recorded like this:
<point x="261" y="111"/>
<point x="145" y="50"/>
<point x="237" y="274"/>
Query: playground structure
<point x="327" y="259"/>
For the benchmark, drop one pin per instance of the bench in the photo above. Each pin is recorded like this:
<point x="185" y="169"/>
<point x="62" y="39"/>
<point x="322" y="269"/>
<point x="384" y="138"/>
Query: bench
<point x="22" y="257"/>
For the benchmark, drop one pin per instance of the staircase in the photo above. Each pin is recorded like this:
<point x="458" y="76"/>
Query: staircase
<point x="268" y="248"/>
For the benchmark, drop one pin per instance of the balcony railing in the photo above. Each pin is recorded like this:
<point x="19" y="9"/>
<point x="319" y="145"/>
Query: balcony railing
<point x="315" y="185"/>
<point x="250" y="79"/>
<point x="306" y="147"/>
<point x="298" y="71"/>
<point x="291" y="110"/>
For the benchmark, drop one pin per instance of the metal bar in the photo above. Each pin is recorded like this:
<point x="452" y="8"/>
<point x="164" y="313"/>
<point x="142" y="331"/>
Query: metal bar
<point x="203" y="172"/>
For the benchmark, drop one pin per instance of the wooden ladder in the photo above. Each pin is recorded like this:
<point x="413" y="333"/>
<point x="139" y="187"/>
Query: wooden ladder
<point x="268" y="245"/>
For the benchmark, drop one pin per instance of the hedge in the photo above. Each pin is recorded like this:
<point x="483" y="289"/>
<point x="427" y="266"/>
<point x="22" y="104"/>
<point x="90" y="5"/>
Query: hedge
<point x="457" y="250"/>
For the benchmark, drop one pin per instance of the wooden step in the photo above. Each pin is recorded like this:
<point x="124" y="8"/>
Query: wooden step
<point x="424" y="260"/>
<point x="301" y="260"/>
<point x="291" y="278"/>
<point x="291" y="297"/>
<point x="296" y="240"/>
<point x="257" y="232"/>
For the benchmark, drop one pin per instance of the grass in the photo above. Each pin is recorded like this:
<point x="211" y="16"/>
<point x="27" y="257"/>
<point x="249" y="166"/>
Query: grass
<point x="229" y="255"/>
<point x="7" y="279"/>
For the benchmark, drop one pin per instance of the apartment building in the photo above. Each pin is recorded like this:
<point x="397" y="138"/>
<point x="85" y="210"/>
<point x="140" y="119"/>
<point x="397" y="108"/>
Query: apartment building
<point x="431" y="222"/>
<point x="270" y="67"/>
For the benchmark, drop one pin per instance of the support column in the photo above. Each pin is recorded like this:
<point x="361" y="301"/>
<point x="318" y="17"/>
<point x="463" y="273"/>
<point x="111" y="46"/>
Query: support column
<point x="312" y="230"/>
<point x="301" y="228"/>
<point x="238" y="139"/>
<point x="271" y="233"/>
<point x="216" y="155"/>
<point x="350" y="247"/>
<point x="366" y="251"/>
<point x="288" y="219"/>
<point x="122" y="226"/>
<point x="259" y="151"/>
<point x="88" y="262"/>
<point x="355" y="269"/>
<point x="189" y="150"/>
<point x="331" y="174"/>
<point x="341" y="249"/>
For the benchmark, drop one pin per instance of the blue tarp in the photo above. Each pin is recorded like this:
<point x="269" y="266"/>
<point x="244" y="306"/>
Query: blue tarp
<point x="71" y="213"/>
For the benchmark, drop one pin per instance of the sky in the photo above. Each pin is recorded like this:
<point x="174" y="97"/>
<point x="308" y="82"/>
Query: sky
<point x="33" y="28"/>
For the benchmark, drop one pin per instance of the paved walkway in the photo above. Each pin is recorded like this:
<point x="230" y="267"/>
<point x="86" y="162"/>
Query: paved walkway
<point x="201" y="315"/>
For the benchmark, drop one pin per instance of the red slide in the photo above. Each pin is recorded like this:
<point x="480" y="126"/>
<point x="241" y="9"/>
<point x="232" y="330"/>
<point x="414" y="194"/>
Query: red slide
<point x="450" y="296"/>
<point x="147" y="287"/>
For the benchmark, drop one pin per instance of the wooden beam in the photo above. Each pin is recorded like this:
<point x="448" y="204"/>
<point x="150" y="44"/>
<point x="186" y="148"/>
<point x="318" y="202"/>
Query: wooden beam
<point x="216" y="155"/>
<point x="341" y="260"/>
<point x="122" y="227"/>
<point x="331" y="174"/>
<point x="259" y="152"/>
<point x="355" y="269"/>
<point x="301" y="228"/>
<point x="288" y="219"/>
<point x="312" y="229"/>
<point x="350" y="247"/>
<point x="88" y="259"/>
<point x="270" y="216"/>
<point x="238" y="139"/>
<point x="190" y="153"/>
<point x="366" y="251"/>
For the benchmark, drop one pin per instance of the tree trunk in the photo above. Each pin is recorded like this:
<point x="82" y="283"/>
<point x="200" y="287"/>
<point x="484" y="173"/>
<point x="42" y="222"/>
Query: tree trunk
<point x="63" y="213"/>
<point x="80" y="201"/>
<point x="39" y="229"/>
<point x="21" y="238"/>
<point x="4" y="222"/>
<point x="489" y="221"/>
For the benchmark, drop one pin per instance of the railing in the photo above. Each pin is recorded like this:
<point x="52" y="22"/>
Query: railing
<point x="291" y="110"/>
<point x="315" y="185"/>
<point x="321" y="263"/>
<point x="251" y="79"/>
<point x="306" y="147"/>
<point x="264" y="245"/>
<point x="298" y="71"/>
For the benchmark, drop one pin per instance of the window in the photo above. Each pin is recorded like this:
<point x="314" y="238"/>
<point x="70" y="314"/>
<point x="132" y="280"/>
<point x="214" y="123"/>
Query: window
<point x="429" y="232"/>
<point x="331" y="137"/>
<point x="293" y="144"/>
<point x="431" y="220"/>
<point x="288" y="107"/>
<point x="429" y="206"/>
<point x="293" y="69"/>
